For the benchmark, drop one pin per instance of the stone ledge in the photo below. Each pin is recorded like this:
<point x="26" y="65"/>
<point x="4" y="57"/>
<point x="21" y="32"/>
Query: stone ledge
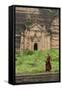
<point x="40" y="77"/>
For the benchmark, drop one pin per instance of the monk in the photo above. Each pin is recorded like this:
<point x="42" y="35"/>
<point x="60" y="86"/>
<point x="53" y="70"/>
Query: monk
<point x="48" y="63"/>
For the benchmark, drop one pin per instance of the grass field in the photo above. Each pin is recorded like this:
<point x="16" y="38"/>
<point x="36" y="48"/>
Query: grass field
<point x="34" y="61"/>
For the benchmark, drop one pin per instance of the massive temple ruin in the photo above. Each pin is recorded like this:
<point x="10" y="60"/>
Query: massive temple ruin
<point x="36" y="30"/>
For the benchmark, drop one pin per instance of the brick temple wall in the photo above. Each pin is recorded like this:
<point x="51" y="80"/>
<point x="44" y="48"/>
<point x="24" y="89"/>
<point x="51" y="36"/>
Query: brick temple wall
<point x="43" y="33"/>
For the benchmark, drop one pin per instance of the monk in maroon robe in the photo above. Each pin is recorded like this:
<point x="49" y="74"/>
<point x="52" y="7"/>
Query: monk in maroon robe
<point x="48" y="63"/>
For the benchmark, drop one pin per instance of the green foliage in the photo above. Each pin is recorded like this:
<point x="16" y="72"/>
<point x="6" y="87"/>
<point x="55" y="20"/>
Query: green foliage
<point x="34" y="61"/>
<point x="27" y="52"/>
<point x="28" y="23"/>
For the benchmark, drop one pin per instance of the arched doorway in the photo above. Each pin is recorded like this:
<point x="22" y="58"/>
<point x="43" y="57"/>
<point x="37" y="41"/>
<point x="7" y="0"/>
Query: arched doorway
<point x="35" y="46"/>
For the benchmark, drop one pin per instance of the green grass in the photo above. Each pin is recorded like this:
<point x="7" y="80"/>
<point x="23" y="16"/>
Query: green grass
<point x="34" y="62"/>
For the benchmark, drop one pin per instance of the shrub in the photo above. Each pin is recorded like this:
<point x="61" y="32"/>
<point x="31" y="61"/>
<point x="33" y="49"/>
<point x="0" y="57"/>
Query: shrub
<point x="27" y="52"/>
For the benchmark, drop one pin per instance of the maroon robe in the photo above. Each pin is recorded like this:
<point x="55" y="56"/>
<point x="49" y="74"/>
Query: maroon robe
<point x="48" y="64"/>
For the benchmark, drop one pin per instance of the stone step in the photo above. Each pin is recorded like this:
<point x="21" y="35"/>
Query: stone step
<point x="41" y="77"/>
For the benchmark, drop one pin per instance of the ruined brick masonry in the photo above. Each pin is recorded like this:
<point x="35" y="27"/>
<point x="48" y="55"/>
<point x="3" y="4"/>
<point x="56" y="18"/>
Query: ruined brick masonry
<point x="39" y="33"/>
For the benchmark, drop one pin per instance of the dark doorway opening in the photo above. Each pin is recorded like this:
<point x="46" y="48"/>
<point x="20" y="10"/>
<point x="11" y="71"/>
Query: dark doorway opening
<point x="35" y="46"/>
